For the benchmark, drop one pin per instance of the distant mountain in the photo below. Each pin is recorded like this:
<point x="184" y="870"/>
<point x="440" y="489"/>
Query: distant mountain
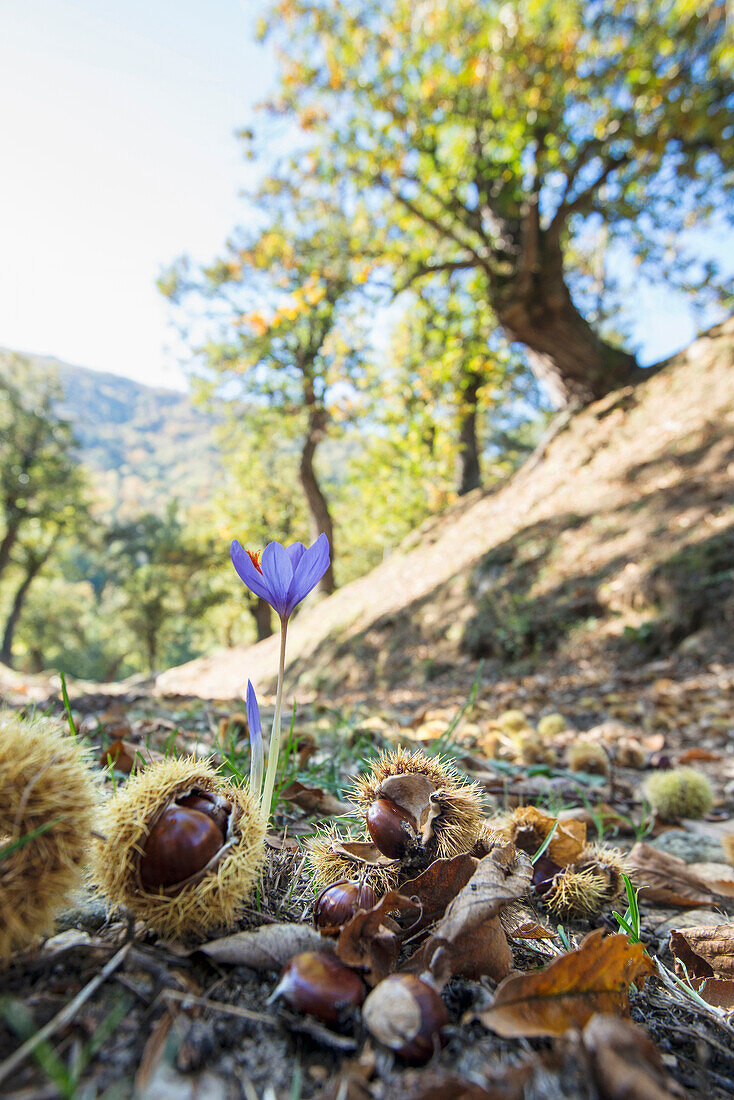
<point x="144" y="445"/>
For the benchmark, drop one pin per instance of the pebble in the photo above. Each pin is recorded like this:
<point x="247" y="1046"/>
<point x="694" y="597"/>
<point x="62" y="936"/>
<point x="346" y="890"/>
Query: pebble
<point x="689" y="918"/>
<point x="690" y="847"/>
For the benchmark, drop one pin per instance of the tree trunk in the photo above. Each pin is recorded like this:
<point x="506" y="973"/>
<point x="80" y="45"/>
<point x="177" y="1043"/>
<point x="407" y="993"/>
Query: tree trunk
<point x="7" y="545"/>
<point x="262" y="614"/>
<point x="6" y="651"/>
<point x="318" y="509"/>
<point x="469" y="472"/>
<point x="535" y="308"/>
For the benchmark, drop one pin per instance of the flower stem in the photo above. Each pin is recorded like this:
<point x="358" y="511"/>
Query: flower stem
<point x="267" y="795"/>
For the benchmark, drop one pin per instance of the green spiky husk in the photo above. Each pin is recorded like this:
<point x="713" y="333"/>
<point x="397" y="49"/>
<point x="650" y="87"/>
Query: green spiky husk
<point x="682" y="792"/>
<point x="45" y="777"/>
<point x="459" y="824"/>
<point x="218" y="898"/>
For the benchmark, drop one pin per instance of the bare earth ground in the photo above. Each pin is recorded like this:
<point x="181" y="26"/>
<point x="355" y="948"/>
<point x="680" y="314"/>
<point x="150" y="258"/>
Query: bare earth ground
<point x="597" y="584"/>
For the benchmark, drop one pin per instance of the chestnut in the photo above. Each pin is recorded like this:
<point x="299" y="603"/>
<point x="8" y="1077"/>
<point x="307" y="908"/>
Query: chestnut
<point x="336" y="904"/>
<point x="392" y="829"/>
<point x="407" y="1015"/>
<point x="213" y="805"/>
<point x="180" y="844"/>
<point x="320" y="985"/>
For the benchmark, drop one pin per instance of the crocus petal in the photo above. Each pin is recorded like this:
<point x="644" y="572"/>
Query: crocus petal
<point x="247" y="572"/>
<point x="309" y="571"/>
<point x="257" y="752"/>
<point x="295" y="552"/>
<point x="278" y="573"/>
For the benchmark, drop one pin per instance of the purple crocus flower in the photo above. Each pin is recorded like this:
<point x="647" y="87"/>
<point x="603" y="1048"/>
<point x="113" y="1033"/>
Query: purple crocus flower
<point x="284" y="575"/>
<point x="257" y="752"/>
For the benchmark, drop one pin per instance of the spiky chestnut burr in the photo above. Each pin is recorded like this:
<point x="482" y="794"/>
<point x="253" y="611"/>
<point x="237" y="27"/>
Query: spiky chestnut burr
<point x="588" y="756"/>
<point x="47" y="787"/>
<point x="182" y="848"/>
<point x="682" y="792"/>
<point x="586" y="887"/>
<point x="332" y="858"/>
<point x="438" y="811"/>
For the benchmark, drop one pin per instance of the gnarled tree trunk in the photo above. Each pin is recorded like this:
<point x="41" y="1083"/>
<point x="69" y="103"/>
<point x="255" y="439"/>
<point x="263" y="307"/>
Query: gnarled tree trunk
<point x="534" y="307"/>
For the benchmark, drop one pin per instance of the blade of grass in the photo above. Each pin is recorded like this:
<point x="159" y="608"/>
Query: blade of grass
<point x="67" y="705"/>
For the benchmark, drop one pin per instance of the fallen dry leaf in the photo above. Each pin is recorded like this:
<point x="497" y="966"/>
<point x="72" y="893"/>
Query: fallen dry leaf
<point x="603" y="814"/>
<point x="528" y="827"/>
<point x="437" y="886"/>
<point x="315" y="800"/>
<point x="719" y="992"/>
<point x="718" y="876"/>
<point x="666" y="879"/>
<point x="626" y="1064"/>
<point x="705" y="952"/>
<point x="126" y="756"/>
<point x="469" y="940"/>
<point x="266" y="948"/>
<point x="594" y="978"/>
<point x="691" y="756"/>
<point x="368" y="942"/>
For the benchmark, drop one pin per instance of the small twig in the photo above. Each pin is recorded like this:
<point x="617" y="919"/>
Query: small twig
<point x="218" y="1006"/>
<point x="64" y="1017"/>
<point x="692" y="999"/>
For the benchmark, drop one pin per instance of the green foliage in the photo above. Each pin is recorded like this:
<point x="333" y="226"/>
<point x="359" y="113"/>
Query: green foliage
<point x="493" y="138"/>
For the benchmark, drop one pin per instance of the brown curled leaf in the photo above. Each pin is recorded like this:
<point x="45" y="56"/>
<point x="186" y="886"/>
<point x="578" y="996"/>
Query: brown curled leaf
<point x="565" y="994"/>
<point x="667" y="880"/>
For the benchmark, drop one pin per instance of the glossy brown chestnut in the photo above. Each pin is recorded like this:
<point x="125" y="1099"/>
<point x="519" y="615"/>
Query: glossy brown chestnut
<point x="213" y="805"/>
<point x="336" y="904"/>
<point x="391" y="828"/>
<point x="408" y="1016"/>
<point x="180" y="843"/>
<point x="321" y="986"/>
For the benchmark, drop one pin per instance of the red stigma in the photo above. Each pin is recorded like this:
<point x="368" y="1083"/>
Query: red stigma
<point x="254" y="556"/>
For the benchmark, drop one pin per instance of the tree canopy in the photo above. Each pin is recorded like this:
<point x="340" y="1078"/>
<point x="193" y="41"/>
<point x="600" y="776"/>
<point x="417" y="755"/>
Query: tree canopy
<point x="483" y="136"/>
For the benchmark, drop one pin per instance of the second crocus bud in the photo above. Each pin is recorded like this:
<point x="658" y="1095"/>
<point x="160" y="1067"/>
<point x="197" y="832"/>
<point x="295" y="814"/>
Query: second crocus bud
<point x="321" y="986"/>
<point x="407" y="1015"/>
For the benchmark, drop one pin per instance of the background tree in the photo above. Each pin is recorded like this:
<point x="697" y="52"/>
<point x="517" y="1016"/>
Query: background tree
<point x="40" y="475"/>
<point x="482" y="137"/>
<point x="284" y="336"/>
<point x="165" y="572"/>
<point x="457" y="364"/>
<point x="258" y="502"/>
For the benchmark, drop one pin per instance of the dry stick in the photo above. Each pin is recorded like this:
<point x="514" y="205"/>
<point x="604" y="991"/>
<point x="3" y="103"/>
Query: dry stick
<point x="65" y="1016"/>
<point x="219" y="1006"/>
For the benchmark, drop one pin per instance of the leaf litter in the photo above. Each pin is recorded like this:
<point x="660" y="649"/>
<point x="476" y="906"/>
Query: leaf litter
<point x="205" y="1005"/>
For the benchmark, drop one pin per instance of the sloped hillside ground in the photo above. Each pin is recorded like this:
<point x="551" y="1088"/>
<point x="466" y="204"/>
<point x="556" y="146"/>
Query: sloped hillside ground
<point x="615" y="547"/>
<point x="596" y="584"/>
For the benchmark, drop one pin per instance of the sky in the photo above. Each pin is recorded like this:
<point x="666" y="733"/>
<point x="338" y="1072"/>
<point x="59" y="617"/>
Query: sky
<point x="117" y="125"/>
<point x="117" y="121"/>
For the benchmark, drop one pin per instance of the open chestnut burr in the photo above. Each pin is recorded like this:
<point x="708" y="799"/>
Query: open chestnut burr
<point x="181" y="848"/>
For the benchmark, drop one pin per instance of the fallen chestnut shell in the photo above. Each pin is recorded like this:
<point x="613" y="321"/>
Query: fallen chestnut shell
<point x="392" y="829"/>
<point x="180" y="844"/>
<point x="320" y="985"/>
<point x="213" y="805"/>
<point x="408" y="1016"/>
<point x="336" y="904"/>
